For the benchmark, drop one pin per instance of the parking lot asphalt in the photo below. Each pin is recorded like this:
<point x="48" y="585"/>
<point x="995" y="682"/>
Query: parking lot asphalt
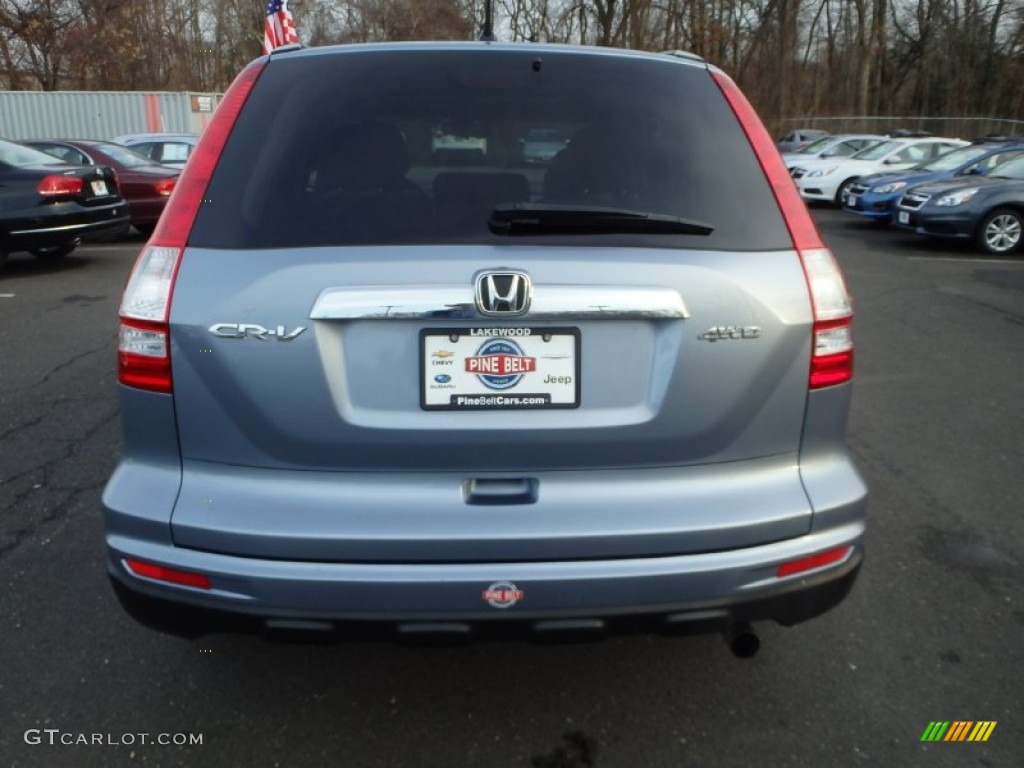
<point x="932" y="630"/>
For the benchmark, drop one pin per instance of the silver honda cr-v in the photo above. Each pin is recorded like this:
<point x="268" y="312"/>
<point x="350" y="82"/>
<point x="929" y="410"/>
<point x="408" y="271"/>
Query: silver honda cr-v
<point x="382" y="377"/>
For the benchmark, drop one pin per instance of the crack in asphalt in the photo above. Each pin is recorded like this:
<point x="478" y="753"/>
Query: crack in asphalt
<point x="105" y="347"/>
<point x="55" y="514"/>
<point x="1013" y="317"/>
<point x="15" y="430"/>
<point x="51" y="402"/>
<point x="72" y="449"/>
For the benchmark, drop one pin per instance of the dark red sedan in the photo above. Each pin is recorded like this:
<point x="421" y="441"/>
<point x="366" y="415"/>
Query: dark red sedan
<point x="143" y="183"/>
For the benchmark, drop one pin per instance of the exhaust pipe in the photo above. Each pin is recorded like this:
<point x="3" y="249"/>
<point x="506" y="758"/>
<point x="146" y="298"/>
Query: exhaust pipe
<point x="743" y="641"/>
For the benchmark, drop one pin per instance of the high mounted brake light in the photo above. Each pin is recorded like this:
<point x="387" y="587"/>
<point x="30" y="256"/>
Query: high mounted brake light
<point x="144" y="354"/>
<point x="832" y="339"/>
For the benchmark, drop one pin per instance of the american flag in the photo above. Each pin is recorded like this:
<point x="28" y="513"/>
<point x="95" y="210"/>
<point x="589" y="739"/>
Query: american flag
<point x="279" y="27"/>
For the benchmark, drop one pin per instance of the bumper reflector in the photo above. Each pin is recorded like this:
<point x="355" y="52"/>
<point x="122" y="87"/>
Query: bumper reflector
<point x="814" y="561"/>
<point x="160" y="573"/>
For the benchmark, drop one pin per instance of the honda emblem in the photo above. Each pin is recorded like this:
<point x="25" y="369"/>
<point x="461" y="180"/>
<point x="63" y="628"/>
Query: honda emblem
<point x="501" y="294"/>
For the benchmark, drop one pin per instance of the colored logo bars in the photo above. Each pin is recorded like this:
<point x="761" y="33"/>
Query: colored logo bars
<point x="958" y="730"/>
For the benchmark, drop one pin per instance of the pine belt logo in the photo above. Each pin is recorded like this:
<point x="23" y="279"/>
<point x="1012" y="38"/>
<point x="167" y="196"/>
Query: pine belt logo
<point x="503" y="594"/>
<point x="500" y="363"/>
<point x="958" y="730"/>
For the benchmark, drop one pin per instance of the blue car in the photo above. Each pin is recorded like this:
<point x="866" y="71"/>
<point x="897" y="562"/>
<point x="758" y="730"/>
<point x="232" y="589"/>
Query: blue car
<point x="988" y="210"/>
<point x="877" y="195"/>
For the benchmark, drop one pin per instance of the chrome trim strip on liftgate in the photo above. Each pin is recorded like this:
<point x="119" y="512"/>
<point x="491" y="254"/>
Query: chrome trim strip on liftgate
<point x="550" y="302"/>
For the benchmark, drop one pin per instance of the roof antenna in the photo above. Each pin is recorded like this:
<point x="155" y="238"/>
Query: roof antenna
<point x="487" y="34"/>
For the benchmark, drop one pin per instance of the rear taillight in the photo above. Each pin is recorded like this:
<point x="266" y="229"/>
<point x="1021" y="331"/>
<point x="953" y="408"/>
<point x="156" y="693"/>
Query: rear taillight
<point x="832" y="342"/>
<point x="832" y="351"/>
<point x="143" y="350"/>
<point x="165" y="186"/>
<point x="144" y="345"/>
<point x="55" y="185"/>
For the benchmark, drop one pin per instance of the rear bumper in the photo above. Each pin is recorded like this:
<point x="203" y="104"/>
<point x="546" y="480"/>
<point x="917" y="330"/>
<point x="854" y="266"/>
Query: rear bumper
<point x="146" y="211"/>
<point x="872" y="206"/>
<point x="64" y="222"/>
<point x="683" y="594"/>
<point x="822" y="190"/>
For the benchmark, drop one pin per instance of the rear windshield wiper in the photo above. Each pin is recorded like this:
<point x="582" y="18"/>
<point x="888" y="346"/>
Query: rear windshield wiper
<point x="537" y="218"/>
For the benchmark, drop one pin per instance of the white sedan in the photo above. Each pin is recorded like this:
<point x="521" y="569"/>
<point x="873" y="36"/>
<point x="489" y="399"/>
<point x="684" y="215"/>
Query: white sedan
<point x="835" y="147"/>
<point x="828" y="179"/>
<point x="171" y="149"/>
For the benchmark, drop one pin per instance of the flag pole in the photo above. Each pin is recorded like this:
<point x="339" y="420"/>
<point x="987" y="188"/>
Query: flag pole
<point x="487" y="34"/>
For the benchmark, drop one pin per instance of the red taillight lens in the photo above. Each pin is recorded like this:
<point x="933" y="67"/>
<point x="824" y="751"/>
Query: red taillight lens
<point x="814" y="561"/>
<point x="143" y="360"/>
<point x="832" y="343"/>
<point x="798" y="219"/>
<point x="171" y="575"/>
<point x="144" y="347"/>
<point x="165" y="186"/>
<point x="189" y="192"/>
<point x="56" y="185"/>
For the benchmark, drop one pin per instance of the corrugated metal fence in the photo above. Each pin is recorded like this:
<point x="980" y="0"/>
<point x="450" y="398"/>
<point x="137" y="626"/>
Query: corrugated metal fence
<point x="101" y="114"/>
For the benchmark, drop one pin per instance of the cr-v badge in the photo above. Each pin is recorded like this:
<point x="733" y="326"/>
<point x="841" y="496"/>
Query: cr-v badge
<point x="248" y="330"/>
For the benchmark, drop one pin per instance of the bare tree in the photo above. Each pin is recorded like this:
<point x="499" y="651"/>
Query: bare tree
<point x="796" y="58"/>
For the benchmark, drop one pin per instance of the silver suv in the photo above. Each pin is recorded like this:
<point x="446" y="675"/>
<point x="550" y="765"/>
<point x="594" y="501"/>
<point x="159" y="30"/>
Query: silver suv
<point x="370" y="387"/>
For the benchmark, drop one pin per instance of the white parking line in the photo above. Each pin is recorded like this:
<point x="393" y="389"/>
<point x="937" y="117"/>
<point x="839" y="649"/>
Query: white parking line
<point x="6" y="295"/>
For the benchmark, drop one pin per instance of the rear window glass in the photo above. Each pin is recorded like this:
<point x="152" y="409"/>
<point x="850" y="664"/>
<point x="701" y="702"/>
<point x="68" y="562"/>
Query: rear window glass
<point x="175" y="153"/>
<point x="418" y="147"/>
<point x="19" y="156"/>
<point x="129" y="158"/>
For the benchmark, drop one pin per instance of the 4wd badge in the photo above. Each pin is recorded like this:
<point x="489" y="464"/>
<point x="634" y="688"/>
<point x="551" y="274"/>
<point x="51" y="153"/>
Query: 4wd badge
<point x="727" y="332"/>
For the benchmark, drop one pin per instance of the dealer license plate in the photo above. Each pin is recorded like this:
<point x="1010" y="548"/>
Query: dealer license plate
<point x="499" y="368"/>
<point x="903" y="217"/>
<point x="99" y="188"/>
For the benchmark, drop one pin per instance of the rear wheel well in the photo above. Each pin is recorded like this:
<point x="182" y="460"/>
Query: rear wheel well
<point x="1012" y="205"/>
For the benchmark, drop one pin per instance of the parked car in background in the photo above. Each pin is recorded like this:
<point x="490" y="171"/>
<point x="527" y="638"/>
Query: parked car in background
<point x="987" y="209"/>
<point x="459" y="142"/>
<point x="172" y="149"/>
<point x="48" y="206"/>
<point x="799" y="137"/>
<point x="540" y="145"/>
<point x="829" y="179"/>
<point x="842" y="145"/>
<point x="395" y="397"/>
<point x="909" y="133"/>
<point x="876" y="195"/>
<point x="143" y="183"/>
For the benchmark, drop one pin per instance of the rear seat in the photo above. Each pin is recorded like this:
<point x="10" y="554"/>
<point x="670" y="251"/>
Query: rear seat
<point x="465" y="200"/>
